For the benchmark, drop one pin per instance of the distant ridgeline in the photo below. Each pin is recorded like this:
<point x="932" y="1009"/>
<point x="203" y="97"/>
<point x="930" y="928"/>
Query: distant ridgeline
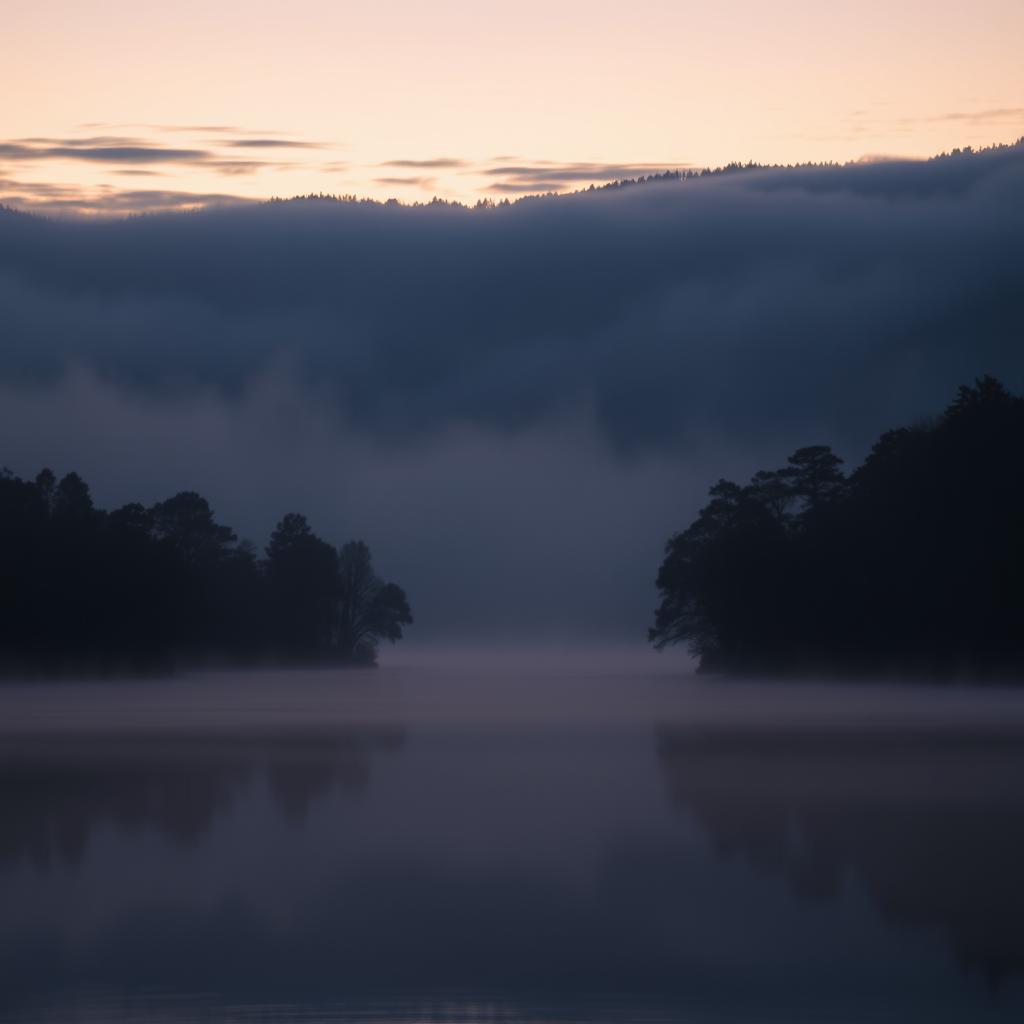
<point x="139" y="587"/>
<point x="912" y="563"/>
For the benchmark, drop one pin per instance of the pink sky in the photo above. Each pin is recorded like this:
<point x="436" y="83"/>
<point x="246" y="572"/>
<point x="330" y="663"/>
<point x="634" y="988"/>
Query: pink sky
<point x="119" y="106"/>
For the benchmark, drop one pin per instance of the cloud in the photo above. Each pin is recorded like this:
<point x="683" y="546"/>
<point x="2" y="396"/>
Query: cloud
<point x="34" y="190"/>
<point x="550" y="176"/>
<point x="71" y="199"/>
<point x="241" y="166"/>
<point x="132" y="152"/>
<point x="225" y="129"/>
<point x="527" y="188"/>
<point x="418" y="182"/>
<point x="439" y="163"/>
<point x="191" y="128"/>
<point x="533" y="391"/>
<point x="117" y="154"/>
<point x="273" y="144"/>
<point x="94" y="140"/>
<point x="879" y="122"/>
<point x="995" y="115"/>
<point x="581" y="171"/>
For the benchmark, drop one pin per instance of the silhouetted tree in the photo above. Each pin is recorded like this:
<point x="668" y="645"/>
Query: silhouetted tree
<point x="915" y="562"/>
<point x="198" y="551"/>
<point x="302" y="572"/>
<point x="46" y="483"/>
<point x="186" y="523"/>
<point x="814" y="476"/>
<point x="71" y="502"/>
<point x="369" y="610"/>
<point x="81" y="588"/>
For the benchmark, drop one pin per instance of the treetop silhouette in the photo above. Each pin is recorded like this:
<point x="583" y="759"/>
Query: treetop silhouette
<point x="914" y="562"/>
<point x="147" y="587"/>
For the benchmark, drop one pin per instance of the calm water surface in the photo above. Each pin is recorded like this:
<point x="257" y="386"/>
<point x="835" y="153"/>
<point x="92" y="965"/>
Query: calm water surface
<point x="509" y="839"/>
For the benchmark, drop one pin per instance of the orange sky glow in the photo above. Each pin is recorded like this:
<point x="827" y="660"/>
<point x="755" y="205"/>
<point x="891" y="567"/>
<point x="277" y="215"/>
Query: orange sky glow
<point x="118" y="107"/>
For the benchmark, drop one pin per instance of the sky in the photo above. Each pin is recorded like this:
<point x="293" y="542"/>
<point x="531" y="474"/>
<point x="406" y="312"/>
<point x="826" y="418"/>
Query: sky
<point x="125" y="106"/>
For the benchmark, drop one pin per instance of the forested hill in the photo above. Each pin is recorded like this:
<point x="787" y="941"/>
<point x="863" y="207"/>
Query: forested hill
<point x="914" y="562"/>
<point x="87" y="590"/>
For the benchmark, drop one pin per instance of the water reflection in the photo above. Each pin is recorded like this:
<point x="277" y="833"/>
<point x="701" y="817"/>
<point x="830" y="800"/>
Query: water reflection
<point x="237" y="852"/>
<point x="932" y="825"/>
<point x="53" y="795"/>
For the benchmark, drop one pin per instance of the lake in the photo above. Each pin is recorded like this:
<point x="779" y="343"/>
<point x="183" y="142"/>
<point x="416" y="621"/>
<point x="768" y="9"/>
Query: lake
<point x="492" y="836"/>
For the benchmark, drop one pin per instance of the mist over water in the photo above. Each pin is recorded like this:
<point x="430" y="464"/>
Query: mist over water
<point x="501" y="834"/>
<point x="528" y="688"/>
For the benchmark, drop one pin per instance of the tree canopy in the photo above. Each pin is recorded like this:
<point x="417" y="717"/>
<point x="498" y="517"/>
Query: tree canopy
<point x="914" y="562"/>
<point x="139" y="587"/>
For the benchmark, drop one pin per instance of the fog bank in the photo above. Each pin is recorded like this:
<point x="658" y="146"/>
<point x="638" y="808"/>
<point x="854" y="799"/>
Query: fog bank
<point x="513" y="406"/>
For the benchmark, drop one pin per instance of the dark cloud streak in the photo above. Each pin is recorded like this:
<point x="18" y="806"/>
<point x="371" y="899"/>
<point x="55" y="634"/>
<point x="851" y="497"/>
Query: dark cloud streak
<point x="418" y="182"/>
<point x="50" y="197"/>
<point x="580" y="172"/>
<point x="439" y="163"/>
<point x="527" y="188"/>
<point x="116" y="154"/>
<point x="130" y="152"/>
<point x="548" y="176"/>
<point x="273" y="144"/>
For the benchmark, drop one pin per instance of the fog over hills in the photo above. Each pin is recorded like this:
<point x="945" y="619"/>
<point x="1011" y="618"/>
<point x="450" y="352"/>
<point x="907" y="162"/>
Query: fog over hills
<point x="513" y="405"/>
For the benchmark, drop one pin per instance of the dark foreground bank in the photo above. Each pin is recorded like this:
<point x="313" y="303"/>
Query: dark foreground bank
<point x="913" y="563"/>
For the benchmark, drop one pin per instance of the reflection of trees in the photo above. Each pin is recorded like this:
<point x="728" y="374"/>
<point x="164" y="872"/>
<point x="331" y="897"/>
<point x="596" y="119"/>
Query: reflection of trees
<point x="934" y="827"/>
<point x="53" y="794"/>
<point x="301" y="772"/>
